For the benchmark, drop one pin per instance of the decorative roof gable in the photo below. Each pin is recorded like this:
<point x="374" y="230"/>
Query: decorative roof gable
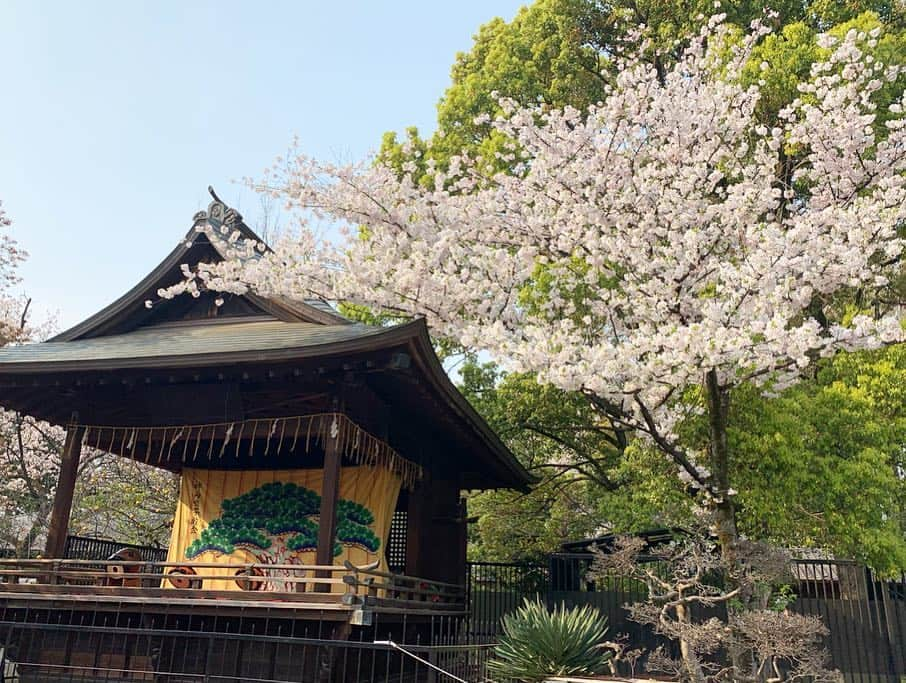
<point x="207" y="241"/>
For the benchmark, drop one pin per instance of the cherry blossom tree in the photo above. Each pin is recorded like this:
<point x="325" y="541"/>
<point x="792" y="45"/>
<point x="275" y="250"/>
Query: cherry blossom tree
<point x="653" y="252"/>
<point x="27" y="451"/>
<point x="131" y="501"/>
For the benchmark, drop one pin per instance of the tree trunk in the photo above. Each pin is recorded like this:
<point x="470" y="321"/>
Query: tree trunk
<point x="690" y="659"/>
<point x="276" y="578"/>
<point x="724" y="510"/>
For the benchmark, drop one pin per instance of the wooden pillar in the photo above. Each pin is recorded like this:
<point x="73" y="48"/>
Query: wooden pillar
<point x="417" y="520"/>
<point x="327" y="517"/>
<point x="435" y="540"/>
<point x="62" y="501"/>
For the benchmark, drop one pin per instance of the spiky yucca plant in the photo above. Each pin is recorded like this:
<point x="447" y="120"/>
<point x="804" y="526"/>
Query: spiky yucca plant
<point x="538" y="643"/>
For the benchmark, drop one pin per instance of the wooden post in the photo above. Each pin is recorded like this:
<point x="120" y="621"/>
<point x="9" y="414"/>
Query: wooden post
<point x="327" y="517"/>
<point x="417" y="519"/>
<point x="62" y="501"/>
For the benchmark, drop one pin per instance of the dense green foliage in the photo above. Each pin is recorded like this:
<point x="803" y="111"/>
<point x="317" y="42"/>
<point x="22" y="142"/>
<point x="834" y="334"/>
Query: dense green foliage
<point x="538" y="643"/>
<point x="823" y="464"/>
<point x="256" y="518"/>
<point x="554" y="434"/>
<point x="819" y="466"/>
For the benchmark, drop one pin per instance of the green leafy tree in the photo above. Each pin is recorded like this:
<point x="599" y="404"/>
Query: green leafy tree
<point x="274" y="521"/>
<point x="557" y="437"/>
<point x="560" y="53"/>
<point x="820" y="466"/>
<point x="125" y="500"/>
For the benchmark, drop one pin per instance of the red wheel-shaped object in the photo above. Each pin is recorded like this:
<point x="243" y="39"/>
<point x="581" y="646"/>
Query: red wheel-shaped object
<point x="180" y="577"/>
<point x="115" y="573"/>
<point x="246" y="581"/>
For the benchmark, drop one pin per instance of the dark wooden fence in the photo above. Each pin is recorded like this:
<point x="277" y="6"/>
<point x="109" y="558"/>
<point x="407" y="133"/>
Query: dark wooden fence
<point x="83" y="548"/>
<point x="866" y="615"/>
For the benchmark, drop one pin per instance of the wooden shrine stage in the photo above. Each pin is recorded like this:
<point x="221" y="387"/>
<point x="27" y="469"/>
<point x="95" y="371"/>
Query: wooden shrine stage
<point x="321" y="592"/>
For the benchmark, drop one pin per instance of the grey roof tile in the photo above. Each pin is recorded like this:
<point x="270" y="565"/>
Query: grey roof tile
<point x="186" y="340"/>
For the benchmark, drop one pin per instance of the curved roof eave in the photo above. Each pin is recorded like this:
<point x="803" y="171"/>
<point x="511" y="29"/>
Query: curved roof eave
<point x="434" y="370"/>
<point x="370" y="341"/>
<point x="412" y="335"/>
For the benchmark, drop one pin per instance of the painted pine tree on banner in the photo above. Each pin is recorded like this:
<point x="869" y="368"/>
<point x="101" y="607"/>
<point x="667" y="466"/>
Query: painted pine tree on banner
<point x="276" y="521"/>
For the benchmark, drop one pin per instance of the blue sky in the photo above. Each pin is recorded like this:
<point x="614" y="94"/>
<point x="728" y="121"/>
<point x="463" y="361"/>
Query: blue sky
<point x="115" y="116"/>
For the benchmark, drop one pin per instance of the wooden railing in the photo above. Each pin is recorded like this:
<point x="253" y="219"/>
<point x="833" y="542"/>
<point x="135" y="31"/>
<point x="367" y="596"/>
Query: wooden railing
<point x="397" y="592"/>
<point x="342" y="587"/>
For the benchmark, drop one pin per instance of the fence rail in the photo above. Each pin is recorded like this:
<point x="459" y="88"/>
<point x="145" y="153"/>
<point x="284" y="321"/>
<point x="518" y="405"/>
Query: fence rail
<point x="218" y="584"/>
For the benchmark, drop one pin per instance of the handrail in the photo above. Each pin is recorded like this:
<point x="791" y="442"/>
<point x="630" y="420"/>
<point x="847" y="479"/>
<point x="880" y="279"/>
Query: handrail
<point x="137" y="577"/>
<point x="389" y="575"/>
<point x="363" y="585"/>
<point x="187" y="563"/>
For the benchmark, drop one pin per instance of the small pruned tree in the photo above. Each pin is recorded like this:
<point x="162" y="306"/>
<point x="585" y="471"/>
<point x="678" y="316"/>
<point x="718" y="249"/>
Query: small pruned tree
<point x="688" y="596"/>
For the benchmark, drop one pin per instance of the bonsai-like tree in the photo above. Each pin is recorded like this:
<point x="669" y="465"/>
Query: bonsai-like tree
<point x="684" y="599"/>
<point x="274" y="522"/>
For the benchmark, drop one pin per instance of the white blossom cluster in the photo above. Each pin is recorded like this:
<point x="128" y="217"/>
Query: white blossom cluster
<point x="638" y="245"/>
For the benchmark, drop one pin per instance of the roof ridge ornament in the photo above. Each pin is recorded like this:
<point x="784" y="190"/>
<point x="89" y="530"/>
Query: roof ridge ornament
<point x="220" y="216"/>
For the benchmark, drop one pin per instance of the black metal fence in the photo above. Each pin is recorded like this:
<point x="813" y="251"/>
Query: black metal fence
<point x="150" y="643"/>
<point x="866" y="615"/>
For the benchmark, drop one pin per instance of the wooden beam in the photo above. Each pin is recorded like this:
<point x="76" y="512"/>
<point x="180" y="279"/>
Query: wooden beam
<point x="62" y="502"/>
<point x="330" y="494"/>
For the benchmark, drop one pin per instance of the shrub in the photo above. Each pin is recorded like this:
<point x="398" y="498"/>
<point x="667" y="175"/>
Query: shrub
<point x="538" y="643"/>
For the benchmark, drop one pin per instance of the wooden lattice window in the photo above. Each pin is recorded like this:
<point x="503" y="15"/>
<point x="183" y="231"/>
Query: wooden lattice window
<point x="396" y="543"/>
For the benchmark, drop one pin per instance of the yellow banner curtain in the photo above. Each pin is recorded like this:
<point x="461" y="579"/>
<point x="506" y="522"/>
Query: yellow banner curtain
<point x="271" y="517"/>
